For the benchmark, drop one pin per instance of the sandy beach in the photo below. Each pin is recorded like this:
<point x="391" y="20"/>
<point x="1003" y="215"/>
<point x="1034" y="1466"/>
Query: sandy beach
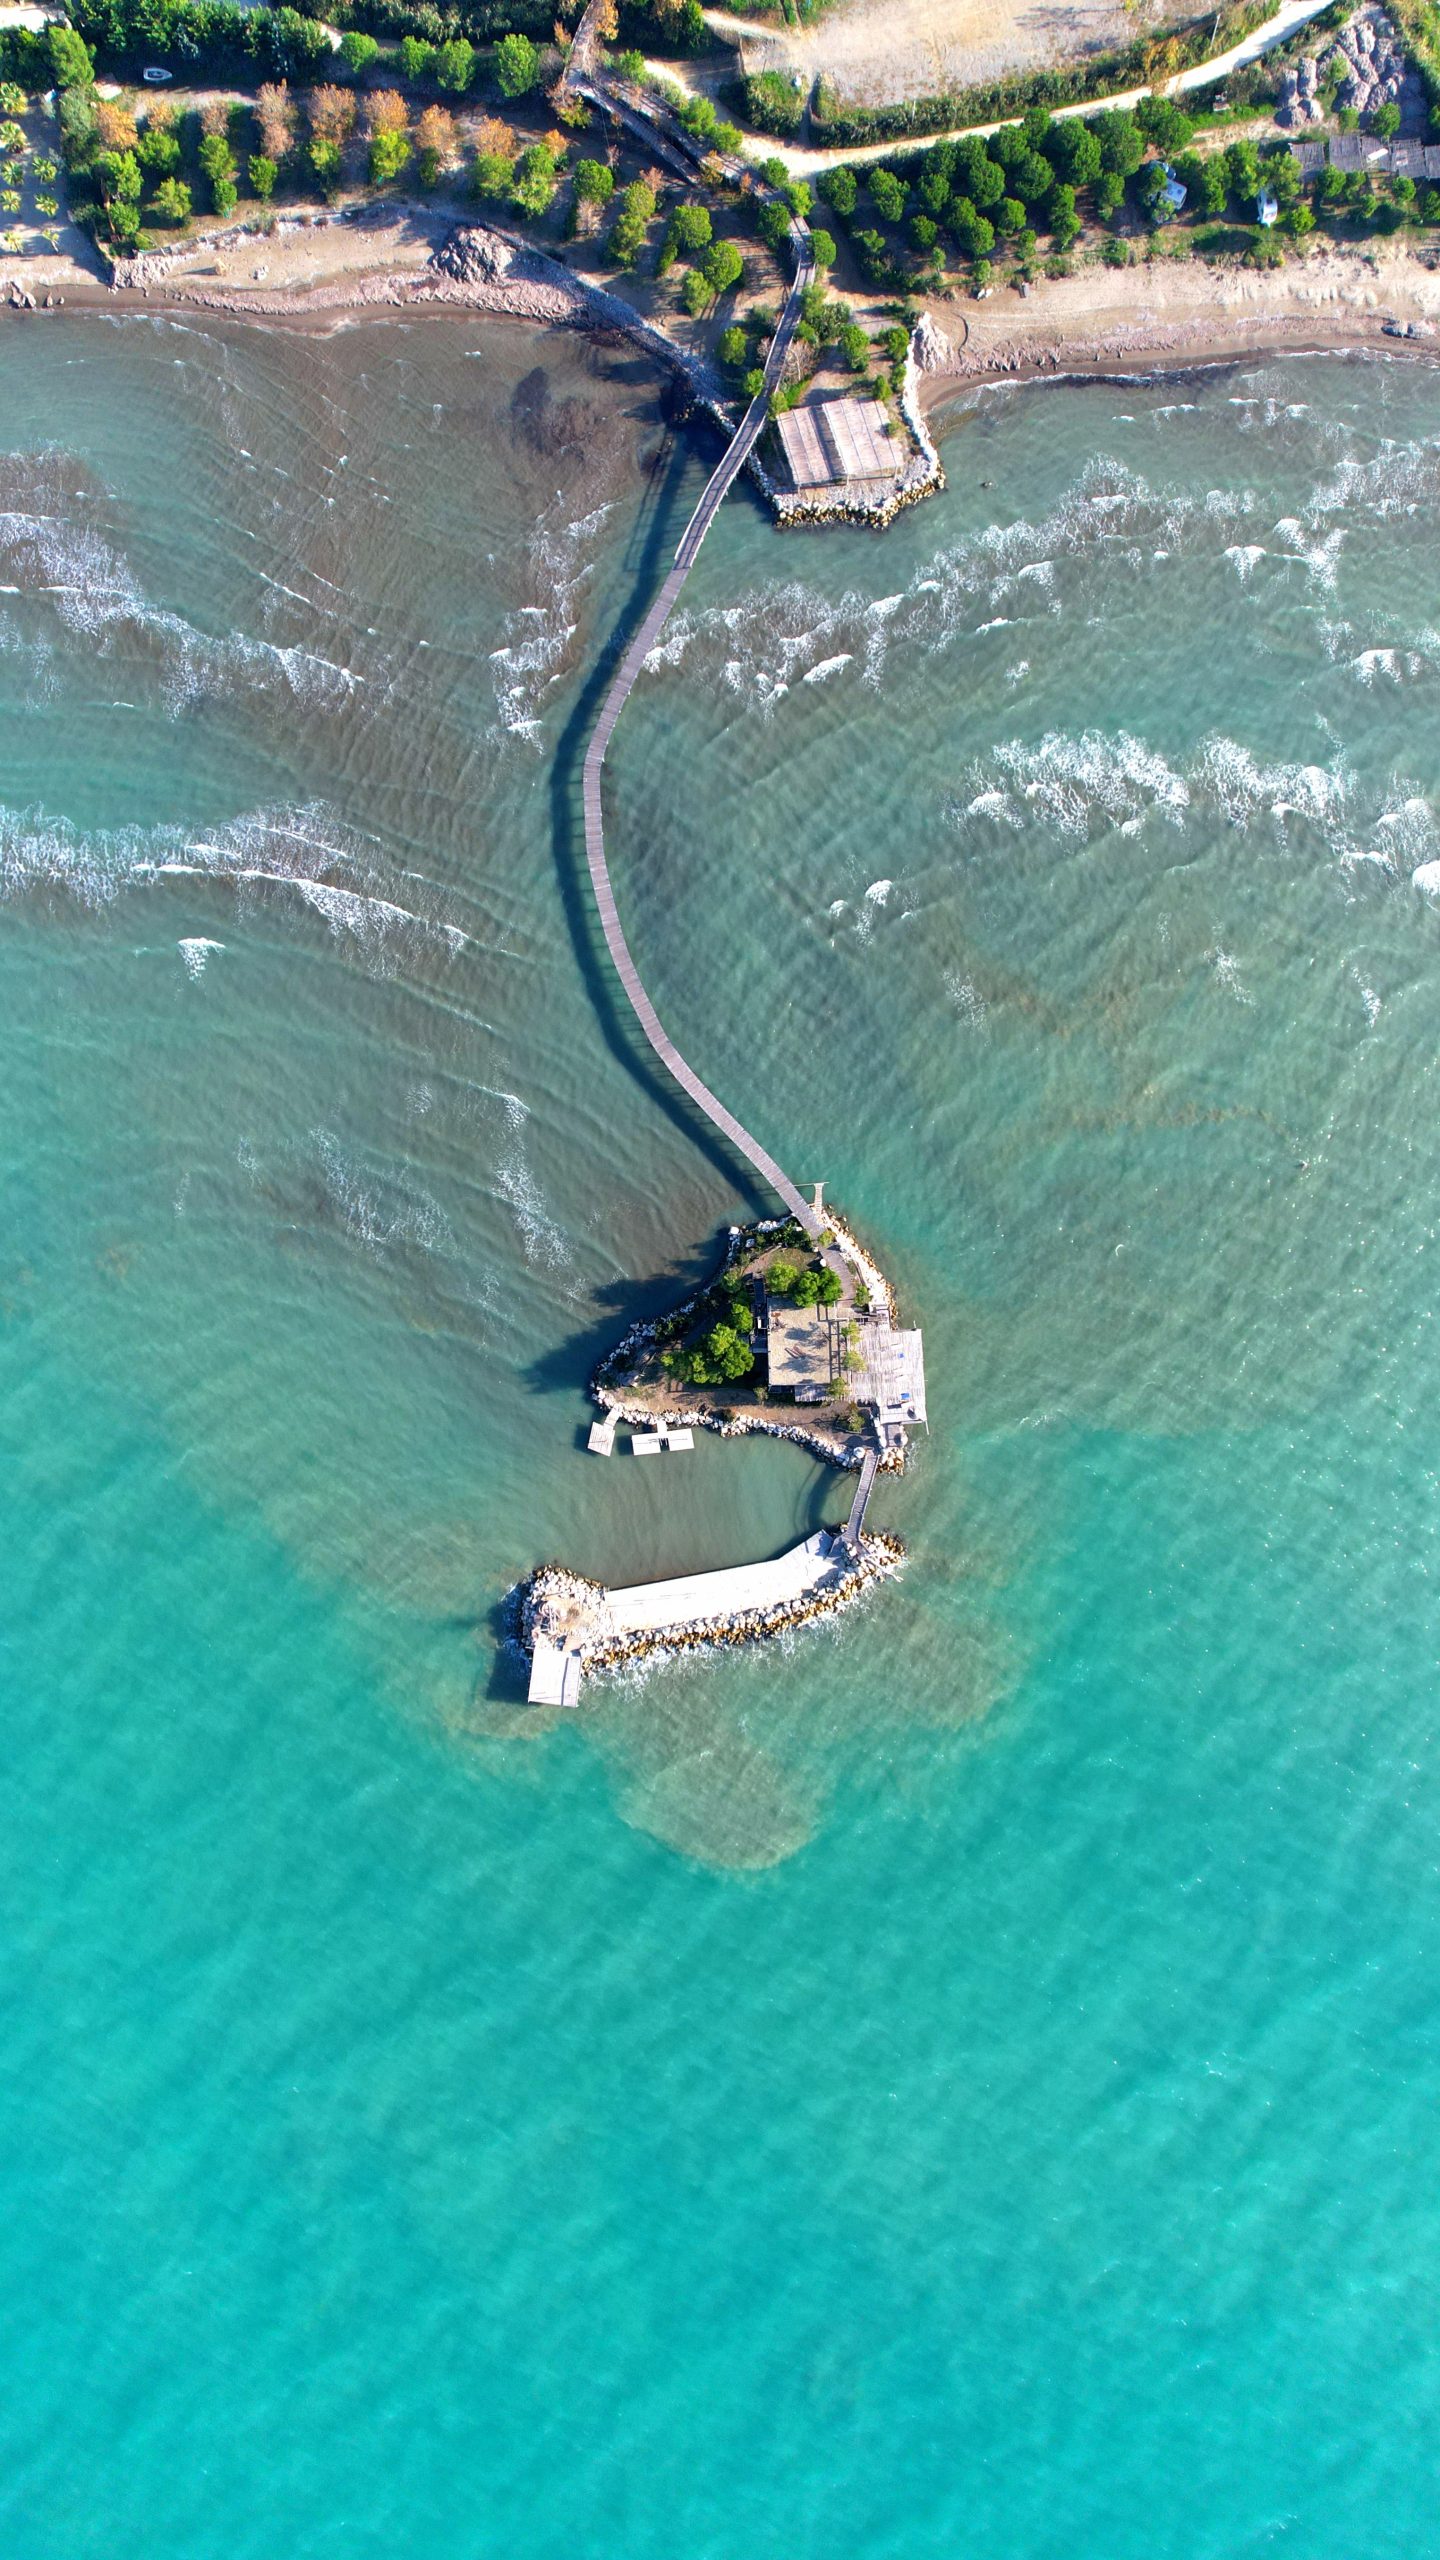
<point x="1164" y="314"/>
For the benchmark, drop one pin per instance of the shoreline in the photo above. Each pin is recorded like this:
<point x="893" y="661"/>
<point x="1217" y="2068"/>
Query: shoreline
<point x="1161" y="319"/>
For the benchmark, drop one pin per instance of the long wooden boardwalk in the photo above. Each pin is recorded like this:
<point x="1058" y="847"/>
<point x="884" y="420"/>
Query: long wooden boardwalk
<point x="732" y="462"/>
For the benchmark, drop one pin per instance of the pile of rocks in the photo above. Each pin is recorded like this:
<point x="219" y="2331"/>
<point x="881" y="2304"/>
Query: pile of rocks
<point x="1365" y="67"/>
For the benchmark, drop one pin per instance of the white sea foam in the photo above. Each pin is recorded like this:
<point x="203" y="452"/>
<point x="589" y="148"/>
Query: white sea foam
<point x="827" y="667"/>
<point x="284" y="852"/>
<point x="1244" y="555"/>
<point x="560" y="560"/>
<point x="195" y="950"/>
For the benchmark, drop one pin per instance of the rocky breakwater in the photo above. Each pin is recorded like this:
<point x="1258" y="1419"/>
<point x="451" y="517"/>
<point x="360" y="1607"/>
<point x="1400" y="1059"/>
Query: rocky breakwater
<point x="564" y="1608"/>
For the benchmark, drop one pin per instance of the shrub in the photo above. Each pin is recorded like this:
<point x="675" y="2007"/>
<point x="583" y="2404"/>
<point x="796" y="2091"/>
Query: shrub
<point x="325" y="161"/>
<point x="732" y="349"/>
<point x="695" y="294"/>
<point x="517" y="66"/>
<point x="822" y="249"/>
<point x="416" y="59"/>
<point x="357" y="51"/>
<point x="332" y="115"/>
<point x="262" y="174"/>
<point x="774" y="103"/>
<point x="855" y="347"/>
<point x="435" y="141"/>
<point x="275" y="116"/>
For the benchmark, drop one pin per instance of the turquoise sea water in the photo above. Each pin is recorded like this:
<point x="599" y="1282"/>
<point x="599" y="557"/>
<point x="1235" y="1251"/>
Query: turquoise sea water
<point x="961" y="2084"/>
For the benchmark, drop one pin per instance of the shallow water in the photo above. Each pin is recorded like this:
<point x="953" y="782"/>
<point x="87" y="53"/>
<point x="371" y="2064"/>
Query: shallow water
<point x="959" y="2081"/>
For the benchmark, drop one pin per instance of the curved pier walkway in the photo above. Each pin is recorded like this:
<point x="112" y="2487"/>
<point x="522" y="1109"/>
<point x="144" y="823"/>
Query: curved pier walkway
<point x="732" y="462"/>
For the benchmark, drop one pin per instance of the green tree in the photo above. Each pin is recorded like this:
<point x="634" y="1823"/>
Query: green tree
<point x="389" y="154"/>
<point x="1386" y="119"/>
<point x="517" y="66"/>
<point x="722" y="266"/>
<point x="1008" y="217"/>
<point x="325" y="161"/>
<point x="455" y="66"/>
<point x="978" y="177"/>
<point x="490" y="173"/>
<point x="218" y="165"/>
<point x="262" y="174"/>
<point x="1298" y="218"/>
<point x="695" y="295"/>
<point x="1122" y="144"/>
<point x="975" y="235"/>
<point x="532" y="185"/>
<point x="887" y="194"/>
<point x="70" y="58"/>
<point x="357" y="51"/>
<point x="783" y="1275"/>
<point x="1109" y="195"/>
<point x="158" y="152"/>
<point x="635" y="214"/>
<point x="732" y="349"/>
<point x="841" y="191"/>
<point x="118" y="176"/>
<point x="923" y="232"/>
<point x="417" y="59"/>
<point x="593" y="181"/>
<point x="822" y="249"/>
<point x="171" y="201"/>
<point x="855" y="347"/>
<point x="1163" y="123"/>
<point x="1242" y="171"/>
<point x="1073" y="152"/>
<point x="691" y="229"/>
<point x="1063" y="219"/>
<point x="773" y="225"/>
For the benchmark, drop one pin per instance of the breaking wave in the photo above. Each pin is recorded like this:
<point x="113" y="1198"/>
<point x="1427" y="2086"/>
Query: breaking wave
<point x="291" y="853"/>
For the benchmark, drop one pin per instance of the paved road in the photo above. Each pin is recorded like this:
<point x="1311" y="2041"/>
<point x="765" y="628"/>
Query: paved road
<point x="615" y="700"/>
<point x="808" y="160"/>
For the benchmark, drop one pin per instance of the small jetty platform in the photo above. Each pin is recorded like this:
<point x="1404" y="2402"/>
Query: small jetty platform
<point x="651" y="1444"/>
<point x="572" y="1627"/>
<point x="602" y="1434"/>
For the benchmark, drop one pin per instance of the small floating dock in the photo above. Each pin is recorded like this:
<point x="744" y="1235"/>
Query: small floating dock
<point x="602" y="1434"/>
<point x="651" y="1444"/>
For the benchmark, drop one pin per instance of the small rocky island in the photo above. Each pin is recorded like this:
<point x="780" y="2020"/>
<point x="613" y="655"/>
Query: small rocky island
<point x="797" y="1336"/>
